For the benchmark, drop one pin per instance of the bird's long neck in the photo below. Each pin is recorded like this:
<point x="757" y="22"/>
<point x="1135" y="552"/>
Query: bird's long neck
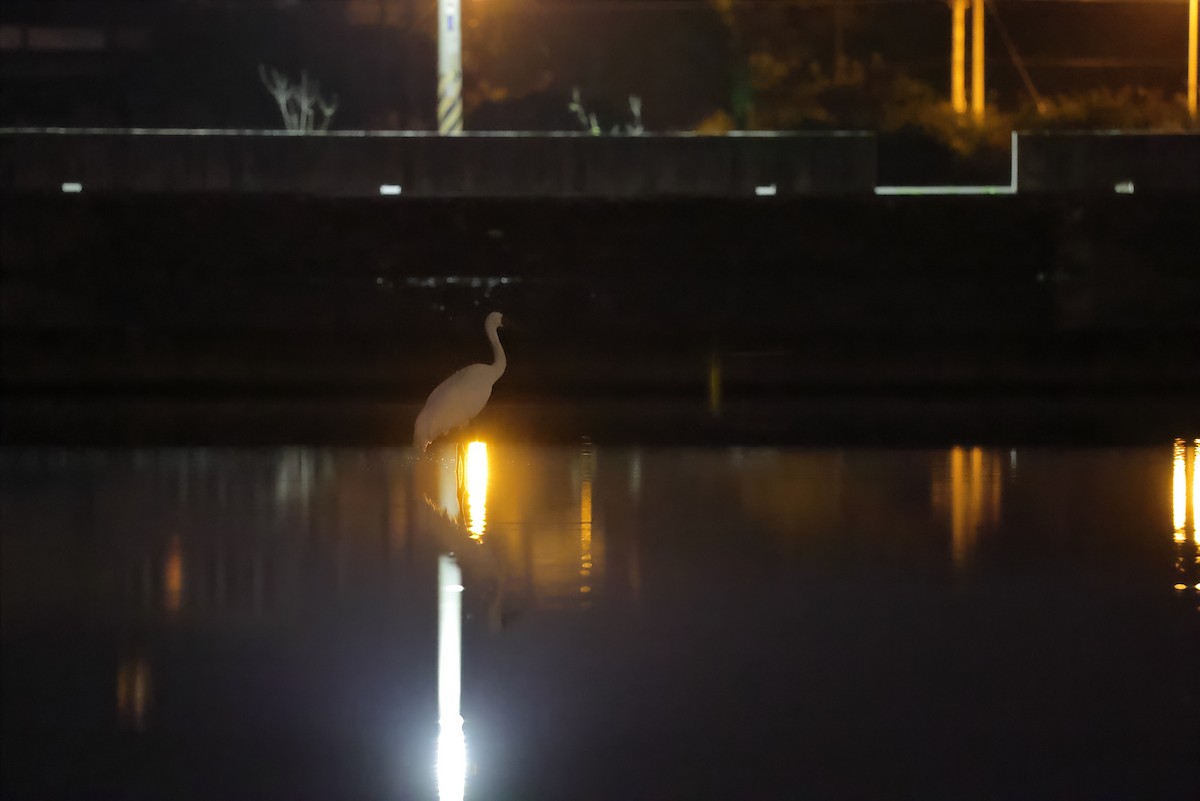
<point x="498" y="360"/>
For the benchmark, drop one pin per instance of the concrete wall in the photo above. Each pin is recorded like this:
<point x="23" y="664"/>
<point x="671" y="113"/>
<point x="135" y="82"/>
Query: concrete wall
<point x="1094" y="161"/>
<point x="567" y="165"/>
<point x="349" y="164"/>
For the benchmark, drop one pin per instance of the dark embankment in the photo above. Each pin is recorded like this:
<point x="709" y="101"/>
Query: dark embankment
<point x="1031" y="303"/>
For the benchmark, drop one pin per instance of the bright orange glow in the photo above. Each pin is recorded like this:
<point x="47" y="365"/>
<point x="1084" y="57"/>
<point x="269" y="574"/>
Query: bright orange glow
<point x="977" y="484"/>
<point x="958" y="507"/>
<point x="977" y="65"/>
<point x="1179" y="491"/>
<point x="585" y="523"/>
<point x="1195" y="491"/>
<point x="958" y="56"/>
<point x="173" y="576"/>
<point x="1193" y="36"/>
<point x="972" y="487"/>
<point x="1181" y="586"/>
<point x="477" y="486"/>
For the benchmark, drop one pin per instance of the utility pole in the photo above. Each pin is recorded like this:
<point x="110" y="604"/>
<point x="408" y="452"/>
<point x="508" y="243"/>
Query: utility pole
<point x="958" y="56"/>
<point x="977" y="81"/>
<point x="449" y="111"/>
<point x="1192" y="37"/>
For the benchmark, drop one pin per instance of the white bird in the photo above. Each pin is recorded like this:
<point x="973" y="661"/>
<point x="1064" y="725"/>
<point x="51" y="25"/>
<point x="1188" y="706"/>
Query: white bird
<point x="457" y="400"/>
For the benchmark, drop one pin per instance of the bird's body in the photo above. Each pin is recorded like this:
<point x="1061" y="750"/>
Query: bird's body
<point x="457" y="400"/>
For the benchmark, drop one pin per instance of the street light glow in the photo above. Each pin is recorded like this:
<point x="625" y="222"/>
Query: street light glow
<point x="977" y="52"/>
<point x="1193" y="35"/>
<point x="958" y="56"/>
<point x="476" y="474"/>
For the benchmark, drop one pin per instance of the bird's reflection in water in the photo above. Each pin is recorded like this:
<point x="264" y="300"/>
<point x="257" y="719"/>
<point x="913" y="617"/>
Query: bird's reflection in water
<point x="451" y="766"/>
<point x="138" y="543"/>
<point x="466" y="509"/>
<point x="463" y="478"/>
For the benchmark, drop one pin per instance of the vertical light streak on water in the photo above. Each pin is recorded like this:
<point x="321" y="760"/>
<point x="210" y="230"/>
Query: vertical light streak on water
<point x="133" y="691"/>
<point x="451" y="744"/>
<point x="476" y="489"/>
<point x="976" y="490"/>
<point x="173" y="576"/>
<point x="959" y="533"/>
<point x="585" y="525"/>
<point x="973" y="490"/>
<point x="1196" y="492"/>
<point x="1179" y="491"/>
<point x="449" y="480"/>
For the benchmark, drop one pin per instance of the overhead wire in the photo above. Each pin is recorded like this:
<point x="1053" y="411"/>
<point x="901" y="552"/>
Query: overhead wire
<point x="1026" y="78"/>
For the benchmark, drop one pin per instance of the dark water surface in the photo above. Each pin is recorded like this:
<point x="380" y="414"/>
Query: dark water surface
<point x="640" y="623"/>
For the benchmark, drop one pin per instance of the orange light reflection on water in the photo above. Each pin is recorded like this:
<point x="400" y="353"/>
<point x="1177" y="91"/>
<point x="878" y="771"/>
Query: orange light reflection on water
<point x="173" y="576"/>
<point x="1179" y="491"/>
<point x="1195" y="492"/>
<point x="972" y="491"/>
<point x="476" y="488"/>
<point x="1184" y="495"/>
<point x="585" y="524"/>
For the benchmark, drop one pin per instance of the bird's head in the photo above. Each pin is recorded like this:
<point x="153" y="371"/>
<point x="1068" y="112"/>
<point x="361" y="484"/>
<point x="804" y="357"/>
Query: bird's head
<point x="494" y="320"/>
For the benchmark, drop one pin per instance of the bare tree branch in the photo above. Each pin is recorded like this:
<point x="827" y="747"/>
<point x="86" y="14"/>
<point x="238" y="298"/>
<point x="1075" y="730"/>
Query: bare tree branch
<point x="297" y="101"/>
<point x="590" y="123"/>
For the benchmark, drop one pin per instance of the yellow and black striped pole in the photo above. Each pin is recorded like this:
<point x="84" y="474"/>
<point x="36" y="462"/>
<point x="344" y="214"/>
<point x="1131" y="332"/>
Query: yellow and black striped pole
<point x="450" y="111"/>
<point x="978" y="100"/>
<point x="958" y="56"/>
